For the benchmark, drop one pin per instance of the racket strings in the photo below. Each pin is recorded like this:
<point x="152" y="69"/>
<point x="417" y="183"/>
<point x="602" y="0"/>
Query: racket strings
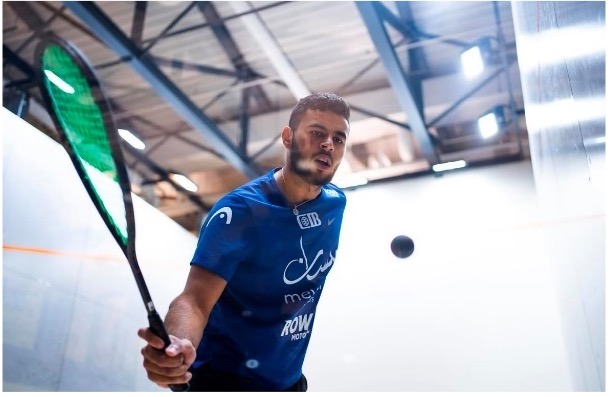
<point x="83" y="124"/>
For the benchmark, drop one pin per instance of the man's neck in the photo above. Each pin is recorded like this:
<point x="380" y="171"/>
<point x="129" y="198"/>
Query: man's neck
<point x="295" y="188"/>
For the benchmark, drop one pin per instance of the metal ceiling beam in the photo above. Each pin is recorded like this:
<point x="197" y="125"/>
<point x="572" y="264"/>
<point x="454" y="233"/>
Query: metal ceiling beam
<point x="274" y="53"/>
<point x="167" y="34"/>
<point x="407" y="30"/>
<point x="467" y="95"/>
<point x="13" y="59"/>
<point x="505" y="60"/>
<point x="145" y="158"/>
<point x="380" y="116"/>
<point x="206" y="25"/>
<point x="151" y="43"/>
<point x="231" y="48"/>
<point x="70" y="20"/>
<point x="291" y="78"/>
<point x="198" y="145"/>
<point x="27" y="14"/>
<point x="165" y="175"/>
<point x="36" y="32"/>
<point x="138" y="21"/>
<point x="244" y="121"/>
<point x="282" y="64"/>
<point x="416" y="57"/>
<point x="146" y="68"/>
<point x="371" y="16"/>
<point x="170" y="26"/>
<point x="182" y="65"/>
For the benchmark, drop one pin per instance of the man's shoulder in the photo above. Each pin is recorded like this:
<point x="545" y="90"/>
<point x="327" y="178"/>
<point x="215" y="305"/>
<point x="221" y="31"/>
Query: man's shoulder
<point x="333" y="191"/>
<point x="254" y="189"/>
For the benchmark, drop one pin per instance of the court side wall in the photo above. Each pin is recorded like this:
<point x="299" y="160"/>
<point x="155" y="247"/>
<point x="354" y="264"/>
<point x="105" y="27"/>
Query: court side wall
<point x="474" y="309"/>
<point x="564" y="96"/>
<point x="71" y="308"/>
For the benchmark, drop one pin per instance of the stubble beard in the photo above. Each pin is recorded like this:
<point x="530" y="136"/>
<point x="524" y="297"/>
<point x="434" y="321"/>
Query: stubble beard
<point x="299" y="165"/>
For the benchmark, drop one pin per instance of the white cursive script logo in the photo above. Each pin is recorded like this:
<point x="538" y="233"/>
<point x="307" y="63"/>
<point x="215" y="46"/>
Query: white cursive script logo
<point x="225" y="211"/>
<point x="307" y="268"/>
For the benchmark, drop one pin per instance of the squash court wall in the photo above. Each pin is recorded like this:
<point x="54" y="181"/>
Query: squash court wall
<point x="504" y="292"/>
<point x="473" y="309"/>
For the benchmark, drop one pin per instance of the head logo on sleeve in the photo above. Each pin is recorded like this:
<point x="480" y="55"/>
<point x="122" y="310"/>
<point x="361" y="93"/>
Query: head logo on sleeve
<point x="222" y="213"/>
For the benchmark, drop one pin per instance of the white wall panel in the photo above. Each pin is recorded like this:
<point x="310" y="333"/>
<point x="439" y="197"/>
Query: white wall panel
<point x="473" y="309"/>
<point x="71" y="307"/>
<point x="561" y="50"/>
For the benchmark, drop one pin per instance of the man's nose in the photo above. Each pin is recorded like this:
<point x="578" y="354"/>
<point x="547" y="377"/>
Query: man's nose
<point x="327" y="143"/>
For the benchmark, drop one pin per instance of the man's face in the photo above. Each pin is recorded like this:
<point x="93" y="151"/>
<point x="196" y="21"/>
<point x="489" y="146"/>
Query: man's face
<point x="318" y="146"/>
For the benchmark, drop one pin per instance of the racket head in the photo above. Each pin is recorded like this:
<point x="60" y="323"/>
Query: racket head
<point x="81" y="113"/>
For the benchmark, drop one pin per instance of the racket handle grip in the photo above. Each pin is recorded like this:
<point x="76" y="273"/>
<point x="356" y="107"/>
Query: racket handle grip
<point x="156" y="325"/>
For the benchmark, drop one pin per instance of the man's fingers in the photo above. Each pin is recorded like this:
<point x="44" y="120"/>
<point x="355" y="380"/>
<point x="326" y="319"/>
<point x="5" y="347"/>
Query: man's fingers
<point x="181" y="348"/>
<point x="160" y="358"/>
<point x="189" y="355"/>
<point x="151" y="338"/>
<point x="164" y="380"/>
<point x="166" y="366"/>
<point x="162" y="369"/>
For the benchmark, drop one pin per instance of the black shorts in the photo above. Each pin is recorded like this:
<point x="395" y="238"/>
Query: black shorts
<point x="206" y="378"/>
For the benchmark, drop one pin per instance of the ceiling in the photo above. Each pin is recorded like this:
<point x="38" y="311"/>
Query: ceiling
<point x="208" y="86"/>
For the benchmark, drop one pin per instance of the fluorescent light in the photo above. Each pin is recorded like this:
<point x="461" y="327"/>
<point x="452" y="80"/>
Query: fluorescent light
<point x="350" y="180"/>
<point x="61" y="84"/>
<point x="565" y="112"/>
<point x="452" y="165"/>
<point x="599" y="140"/>
<point x="472" y="61"/>
<point x="131" y="139"/>
<point x="488" y="125"/>
<point x="557" y="46"/>
<point x="184" y="182"/>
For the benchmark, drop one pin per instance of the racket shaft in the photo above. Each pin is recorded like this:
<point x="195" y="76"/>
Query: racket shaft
<point x="155" y="322"/>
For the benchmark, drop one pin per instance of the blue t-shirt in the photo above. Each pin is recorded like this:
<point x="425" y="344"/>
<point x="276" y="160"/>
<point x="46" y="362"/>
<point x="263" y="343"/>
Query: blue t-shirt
<point x="275" y="264"/>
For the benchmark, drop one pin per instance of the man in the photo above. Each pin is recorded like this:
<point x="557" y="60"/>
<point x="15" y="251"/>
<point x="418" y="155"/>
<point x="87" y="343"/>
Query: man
<point x="260" y="264"/>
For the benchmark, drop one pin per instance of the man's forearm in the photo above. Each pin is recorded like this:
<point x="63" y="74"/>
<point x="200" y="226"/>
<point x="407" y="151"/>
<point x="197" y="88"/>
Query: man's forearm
<point x="185" y="321"/>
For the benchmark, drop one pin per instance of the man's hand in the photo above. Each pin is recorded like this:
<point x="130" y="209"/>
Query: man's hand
<point x="166" y="367"/>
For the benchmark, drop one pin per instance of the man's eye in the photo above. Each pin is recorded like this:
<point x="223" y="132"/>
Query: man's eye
<point x="316" y="133"/>
<point x="338" y="141"/>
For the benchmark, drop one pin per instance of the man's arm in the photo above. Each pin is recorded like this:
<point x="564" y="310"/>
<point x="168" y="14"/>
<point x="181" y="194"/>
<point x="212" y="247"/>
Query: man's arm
<point x="186" y="319"/>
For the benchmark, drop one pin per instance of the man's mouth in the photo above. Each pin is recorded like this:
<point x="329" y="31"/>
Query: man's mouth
<point x="323" y="162"/>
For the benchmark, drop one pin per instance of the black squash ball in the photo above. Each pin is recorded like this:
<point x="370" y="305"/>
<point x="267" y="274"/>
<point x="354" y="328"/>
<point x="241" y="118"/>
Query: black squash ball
<point x="402" y="246"/>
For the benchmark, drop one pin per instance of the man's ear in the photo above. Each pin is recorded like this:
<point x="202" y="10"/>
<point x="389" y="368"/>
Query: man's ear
<point x="287" y="137"/>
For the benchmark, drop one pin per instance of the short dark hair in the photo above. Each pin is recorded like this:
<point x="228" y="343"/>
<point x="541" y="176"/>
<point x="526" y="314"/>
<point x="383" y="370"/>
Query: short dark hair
<point x="326" y="102"/>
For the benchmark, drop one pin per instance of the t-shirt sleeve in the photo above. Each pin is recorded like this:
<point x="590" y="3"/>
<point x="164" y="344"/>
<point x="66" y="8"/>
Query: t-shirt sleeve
<point x="226" y="238"/>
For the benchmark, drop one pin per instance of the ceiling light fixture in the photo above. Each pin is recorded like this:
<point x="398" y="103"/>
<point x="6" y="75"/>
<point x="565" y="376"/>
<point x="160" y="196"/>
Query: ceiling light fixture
<point x="452" y="165"/>
<point x="491" y="123"/>
<point x="478" y="56"/>
<point x="488" y="125"/>
<point x="131" y="139"/>
<point x="472" y="62"/>
<point x="184" y="182"/>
